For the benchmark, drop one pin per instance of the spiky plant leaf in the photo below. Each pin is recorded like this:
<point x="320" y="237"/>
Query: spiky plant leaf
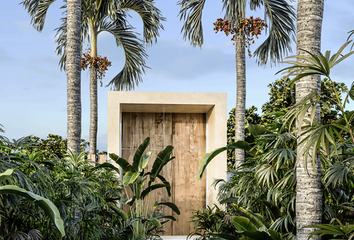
<point x="48" y="207"/>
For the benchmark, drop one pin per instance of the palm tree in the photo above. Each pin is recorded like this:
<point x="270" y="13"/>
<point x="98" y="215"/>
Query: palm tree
<point x="308" y="195"/>
<point x="37" y="9"/>
<point x="73" y="74"/>
<point x="315" y="135"/>
<point x="281" y="16"/>
<point x="108" y="16"/>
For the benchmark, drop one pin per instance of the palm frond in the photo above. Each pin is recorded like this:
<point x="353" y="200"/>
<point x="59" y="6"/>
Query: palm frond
<point x="338" y="174"/>
<point x="350" y="35"/>
<point x="23" y="142"/>
<point x="149" y="14"/>
<point x="266" y="175"/>
<point x="281" y="33"/>
<point x="3" y="139"/>
<point x="300" y="110"/>
<point x="235" y="9"/>
<point x="288" y="181"/>
<point x="35" y="234"/>
<point x="191" y="14"/>
<point x="37" y="9"/>
<point x="61" y="33"/>
<point x="280" y="157"/>
<point x="134" y="52"/>
<point x="312" y="64"/>
<point x="2" y="128"/>
<point x="319" y="136"/>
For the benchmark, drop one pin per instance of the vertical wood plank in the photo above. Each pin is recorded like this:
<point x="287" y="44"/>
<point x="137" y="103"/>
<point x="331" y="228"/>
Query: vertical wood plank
<point x="189" y="140"/>
<point x="169" y="174"/>
<point x="102" y="158"/>
<point x="138" y="126"/>
<point x="187" y="133"/>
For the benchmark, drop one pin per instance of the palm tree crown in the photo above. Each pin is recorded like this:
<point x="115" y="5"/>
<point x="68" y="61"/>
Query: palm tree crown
<point x="279" y="13"/>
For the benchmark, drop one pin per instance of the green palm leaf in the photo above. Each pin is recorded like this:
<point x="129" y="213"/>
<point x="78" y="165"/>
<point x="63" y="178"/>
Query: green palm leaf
<point x="48" y="207"/>
<point x="338" y="173"/>
<point x="266" y="174"/>
<point x="134" y="52"/>
<point x="281" y="16"/>
<point x="312" y="64"/>
<point x="191" y="14"/>
<point x="37" y="9"/>
<point x="203" y="163"/>
<point x="149" y="14"/>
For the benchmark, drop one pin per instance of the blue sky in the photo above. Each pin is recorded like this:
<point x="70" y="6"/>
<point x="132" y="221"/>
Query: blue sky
<point x="33" y="89"/>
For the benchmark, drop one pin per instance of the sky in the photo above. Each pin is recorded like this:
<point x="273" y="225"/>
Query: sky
<point x="33" y="89"/>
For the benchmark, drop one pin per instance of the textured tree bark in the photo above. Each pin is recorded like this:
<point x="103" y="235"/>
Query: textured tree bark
<point x="240" y="96"/>
<point x="93" y="95"/>
<point x="308" y="196"/>
<point x="73" y="73"/>
<point x="94" y="110"/>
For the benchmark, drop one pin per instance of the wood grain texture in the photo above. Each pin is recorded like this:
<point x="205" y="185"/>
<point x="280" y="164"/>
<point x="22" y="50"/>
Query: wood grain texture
<point x="169" y="173"/>
<point x="138" y="126"/>
<point x="189" y="140"/>
<point x="187" y="133"/>
<point x="188" y="192"/>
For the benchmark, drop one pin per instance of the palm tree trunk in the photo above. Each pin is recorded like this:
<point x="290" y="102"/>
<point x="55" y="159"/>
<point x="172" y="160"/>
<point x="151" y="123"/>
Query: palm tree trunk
<point x="73" y="73"/>
<point x="93" y="96"/>
<point x="240" y="95"/>
<point x="308" y="196"/>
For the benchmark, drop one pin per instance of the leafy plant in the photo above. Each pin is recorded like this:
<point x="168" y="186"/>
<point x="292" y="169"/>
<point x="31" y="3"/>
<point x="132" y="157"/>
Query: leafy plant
<point x="211" y="220"/>
<point x="251" y="117"/>
<point x="52" y="145"/>
<point x="322" y="135"/>
<point x="86" y="197"/>
<point x="135" y="177"/>
<point x="249" y="225"/>
<point x="47" y="206"/>
<point x="338" y="231"/>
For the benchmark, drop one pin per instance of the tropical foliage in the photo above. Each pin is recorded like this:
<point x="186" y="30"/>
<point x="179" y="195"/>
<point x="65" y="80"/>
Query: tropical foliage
<point x="281" y="99"/>
<point x="281" y="18"/>
<point x="266" y="182"/>
<point x="84" y="195"/>
<point x="139" y="199"/>
<point x="110" y="17"/>
<point x="47" y="206"/>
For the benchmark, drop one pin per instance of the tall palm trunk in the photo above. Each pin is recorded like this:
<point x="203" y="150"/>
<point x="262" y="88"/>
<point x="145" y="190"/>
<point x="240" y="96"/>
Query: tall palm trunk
<point x="73" y="73"/>
<point x="240" y="95"/>
<point x="93" y="94"/>
<point x="308" y="196"/>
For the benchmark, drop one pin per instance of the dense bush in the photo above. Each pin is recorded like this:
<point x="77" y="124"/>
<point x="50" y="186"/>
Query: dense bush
<point x="86" y="195"/>
<point x="81" y="192"/>
<point x="281" y="99"/>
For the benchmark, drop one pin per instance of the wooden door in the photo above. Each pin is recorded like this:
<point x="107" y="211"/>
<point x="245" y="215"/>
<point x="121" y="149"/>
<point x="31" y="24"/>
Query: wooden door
<point x="186" y="132"/>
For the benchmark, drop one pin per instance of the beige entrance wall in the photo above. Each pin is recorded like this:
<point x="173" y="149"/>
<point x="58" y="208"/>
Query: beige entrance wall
<point x="214" y="105"/>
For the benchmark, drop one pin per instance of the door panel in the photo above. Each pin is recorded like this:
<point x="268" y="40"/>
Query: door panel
<point x="187" y="134"/>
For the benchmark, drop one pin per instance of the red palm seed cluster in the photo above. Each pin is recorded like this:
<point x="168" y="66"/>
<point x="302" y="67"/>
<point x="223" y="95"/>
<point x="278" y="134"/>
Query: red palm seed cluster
<point x="101" y="63"/>
<point x="224" y="26"/>
<point x="252" y="27"/>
